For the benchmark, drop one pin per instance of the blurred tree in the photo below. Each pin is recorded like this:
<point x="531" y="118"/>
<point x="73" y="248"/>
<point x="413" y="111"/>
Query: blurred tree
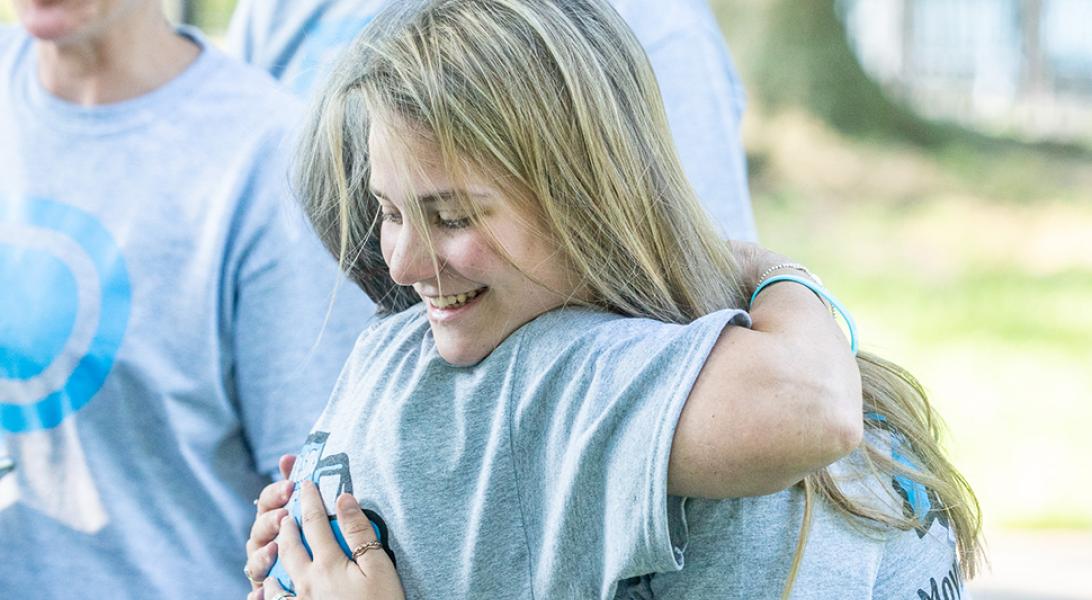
<point x="806" y="60"/>
<point x="212" y="16"/>
<point x="797" y="54"/>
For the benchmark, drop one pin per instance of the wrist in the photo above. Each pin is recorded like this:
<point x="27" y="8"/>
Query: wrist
<point x="787" y="268"/>
<point x="829" y="301"/>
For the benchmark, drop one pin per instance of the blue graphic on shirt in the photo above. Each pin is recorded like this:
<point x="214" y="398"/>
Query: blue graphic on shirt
<point x="37" y="336"/>
<point x="332" y="475"/>
<point x="919" y="502"/>
<point x="39" y="307"/>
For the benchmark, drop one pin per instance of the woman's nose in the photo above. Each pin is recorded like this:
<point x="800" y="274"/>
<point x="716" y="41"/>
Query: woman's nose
<point x="411" y="261"/>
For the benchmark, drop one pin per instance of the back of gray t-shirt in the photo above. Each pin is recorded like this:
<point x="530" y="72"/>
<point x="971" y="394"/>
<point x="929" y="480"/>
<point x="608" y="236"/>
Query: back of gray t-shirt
<point x="743" y="548"/>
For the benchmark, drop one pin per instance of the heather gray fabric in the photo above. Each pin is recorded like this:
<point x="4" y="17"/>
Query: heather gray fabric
<point x="743" y="549"/>
<point x="541" y="472"/>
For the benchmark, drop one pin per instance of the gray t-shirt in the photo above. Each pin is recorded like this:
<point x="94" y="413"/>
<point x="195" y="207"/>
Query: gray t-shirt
<point x="743" y="548"/>
<point x="161" y="299"/>
<point x="295" y="40"/>
<point x="540" y="472"/>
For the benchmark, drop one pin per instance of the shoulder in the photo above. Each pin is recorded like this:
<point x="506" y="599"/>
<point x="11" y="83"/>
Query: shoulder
<point x="593" y="356"/>
<point x="655" y="22"/>
<point x="13" y="39"/>
<point x="399" y="334"/>
<point x="7" y="34"/>
<point x="241" y="97"/>
<point x="11" y="32"/>
<point x="410" y="323"/>
<point x="579" y="331"/>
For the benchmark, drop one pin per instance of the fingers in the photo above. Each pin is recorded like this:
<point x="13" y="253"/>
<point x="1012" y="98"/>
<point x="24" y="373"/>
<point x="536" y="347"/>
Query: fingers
<point x="273" y="589"/>
<point x="316" y="524"/>
<point x="260" y="549"/>
<point x="355" y="525"/>
<point x="359" y="533"/>
<point x="275" y="495"/>
<point x="265" y="528"/>
<point x="290" y="549"/>
<point x="286" y="463"/>
<point x="258" y="563"/>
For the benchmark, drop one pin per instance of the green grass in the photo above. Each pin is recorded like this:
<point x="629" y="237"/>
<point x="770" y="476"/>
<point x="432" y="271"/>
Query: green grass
<point x="1003" y="343"/>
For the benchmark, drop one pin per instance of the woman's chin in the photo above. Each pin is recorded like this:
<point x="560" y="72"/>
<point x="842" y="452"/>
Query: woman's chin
<point x="461" y="354"/>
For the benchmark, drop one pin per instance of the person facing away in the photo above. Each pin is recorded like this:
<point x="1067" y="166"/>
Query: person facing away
<point x="161" y="306"/>
<point x="297" y="40"/>
<point x="564" y="390"/>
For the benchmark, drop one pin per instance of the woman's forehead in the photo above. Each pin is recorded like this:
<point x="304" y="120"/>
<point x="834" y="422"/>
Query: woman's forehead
<point x="406" y="164"/>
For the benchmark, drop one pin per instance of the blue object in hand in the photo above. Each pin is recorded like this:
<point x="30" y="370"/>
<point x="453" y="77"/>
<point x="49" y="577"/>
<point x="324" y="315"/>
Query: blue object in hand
<point x="281" y="574"/>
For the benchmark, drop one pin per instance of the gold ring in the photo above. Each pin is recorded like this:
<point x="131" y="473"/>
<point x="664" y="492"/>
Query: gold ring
<point x="362" y="549"/>
<point x="246" y="571"/>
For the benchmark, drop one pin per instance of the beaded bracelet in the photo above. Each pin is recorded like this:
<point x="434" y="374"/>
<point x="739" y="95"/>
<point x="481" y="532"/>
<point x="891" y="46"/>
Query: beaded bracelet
<point x="822" y="293"/>
<point x="789" y="265"/>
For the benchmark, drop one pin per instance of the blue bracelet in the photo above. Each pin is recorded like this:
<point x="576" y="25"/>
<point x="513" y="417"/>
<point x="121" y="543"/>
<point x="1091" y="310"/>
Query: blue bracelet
<point x="822" y="293"/>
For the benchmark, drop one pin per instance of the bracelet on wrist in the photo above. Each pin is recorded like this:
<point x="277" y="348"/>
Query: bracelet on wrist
<point x="796" y="267"/>
<point x="787" y="265"/>
<point x="835" y="306"/>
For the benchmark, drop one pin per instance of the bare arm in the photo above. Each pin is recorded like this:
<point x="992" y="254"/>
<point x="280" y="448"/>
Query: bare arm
<point x="772" y="403"/>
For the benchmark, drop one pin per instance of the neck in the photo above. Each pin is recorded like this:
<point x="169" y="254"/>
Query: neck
<point x="133" y="55"/>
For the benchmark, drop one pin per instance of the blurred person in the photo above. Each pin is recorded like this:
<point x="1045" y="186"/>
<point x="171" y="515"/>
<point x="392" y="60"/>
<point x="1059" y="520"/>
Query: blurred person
<point x="564" y="387"/>
<point x="297" y="40"/>
<point x="162" y="299"/>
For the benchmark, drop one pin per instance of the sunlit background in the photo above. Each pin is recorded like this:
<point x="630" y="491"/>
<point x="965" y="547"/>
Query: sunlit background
<point x="932" y="160"/>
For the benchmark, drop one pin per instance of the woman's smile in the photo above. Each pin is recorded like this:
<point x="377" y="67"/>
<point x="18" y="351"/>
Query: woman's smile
<point x="448" y="308"/>
<point x="480" y="279"/>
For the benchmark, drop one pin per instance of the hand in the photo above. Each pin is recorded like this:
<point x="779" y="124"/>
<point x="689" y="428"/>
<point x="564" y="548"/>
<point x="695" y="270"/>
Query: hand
<point x="261" y="549"/>
<point x="753" y="260"/>
<point x="331" y="575"/>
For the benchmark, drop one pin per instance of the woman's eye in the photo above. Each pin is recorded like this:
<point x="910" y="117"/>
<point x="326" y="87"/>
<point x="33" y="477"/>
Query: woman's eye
<point x="455" y="223"/>
<point x="391" y="217"/>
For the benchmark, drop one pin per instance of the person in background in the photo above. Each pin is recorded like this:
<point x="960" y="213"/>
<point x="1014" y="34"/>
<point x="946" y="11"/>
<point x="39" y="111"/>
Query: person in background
<point x="297" y="41"/>
<point x="161" y="304"/>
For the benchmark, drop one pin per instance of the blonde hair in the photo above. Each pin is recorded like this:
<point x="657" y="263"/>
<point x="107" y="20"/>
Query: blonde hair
<point x="556" y="99"/>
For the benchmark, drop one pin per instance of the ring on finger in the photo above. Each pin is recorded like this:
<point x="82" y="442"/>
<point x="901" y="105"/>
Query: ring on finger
<point x="362" y="549"/>
<point x="251" y="578"/>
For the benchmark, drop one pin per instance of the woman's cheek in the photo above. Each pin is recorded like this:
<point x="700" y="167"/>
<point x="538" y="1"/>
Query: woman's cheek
<point x="472" y="256"/>
<point x="387" y="241"/>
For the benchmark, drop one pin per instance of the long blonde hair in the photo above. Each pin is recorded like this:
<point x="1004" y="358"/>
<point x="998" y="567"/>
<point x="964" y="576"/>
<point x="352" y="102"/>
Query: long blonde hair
<point x="557" y="99"/>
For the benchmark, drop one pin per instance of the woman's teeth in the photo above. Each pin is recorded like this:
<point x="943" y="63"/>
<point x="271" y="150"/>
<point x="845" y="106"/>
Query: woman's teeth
<point x="454" y="301"/>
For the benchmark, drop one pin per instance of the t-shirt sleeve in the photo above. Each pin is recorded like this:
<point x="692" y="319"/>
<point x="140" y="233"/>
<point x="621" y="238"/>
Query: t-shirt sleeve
<point x="294" y="318"/>
<point x="592" y="436"/>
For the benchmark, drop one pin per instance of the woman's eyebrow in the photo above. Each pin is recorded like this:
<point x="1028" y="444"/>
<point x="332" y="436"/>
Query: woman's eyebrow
<point x="432" y="197"/>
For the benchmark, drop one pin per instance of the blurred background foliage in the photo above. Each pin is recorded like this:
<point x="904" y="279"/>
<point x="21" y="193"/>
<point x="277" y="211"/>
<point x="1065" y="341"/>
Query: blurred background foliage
<point x="965" y="255"/>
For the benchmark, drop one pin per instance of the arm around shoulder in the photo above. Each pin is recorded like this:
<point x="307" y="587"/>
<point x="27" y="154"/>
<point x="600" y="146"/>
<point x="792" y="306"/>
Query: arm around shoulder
<point x="771" y="404"/>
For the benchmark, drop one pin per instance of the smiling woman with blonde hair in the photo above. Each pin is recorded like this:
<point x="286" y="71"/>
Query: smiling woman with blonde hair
<point x="565" y="367"/>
